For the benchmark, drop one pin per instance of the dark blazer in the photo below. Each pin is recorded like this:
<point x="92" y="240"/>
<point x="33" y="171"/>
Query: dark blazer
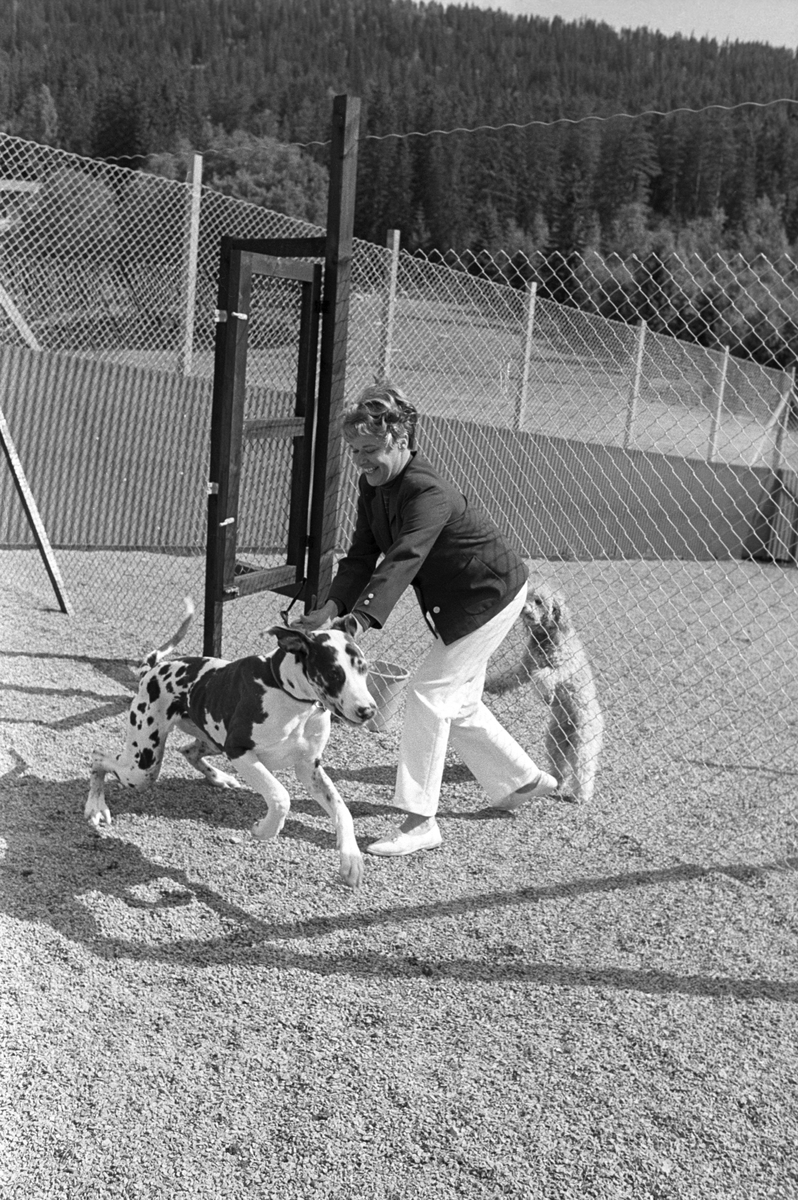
<point x="461" y="568"/>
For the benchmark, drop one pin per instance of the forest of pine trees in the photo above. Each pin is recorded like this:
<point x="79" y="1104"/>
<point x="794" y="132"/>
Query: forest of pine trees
<point x="249" y="83"/>
<point x="143" y="81"/>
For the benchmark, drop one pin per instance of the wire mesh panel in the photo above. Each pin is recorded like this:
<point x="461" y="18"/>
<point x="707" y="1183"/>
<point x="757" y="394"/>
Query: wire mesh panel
<point x="271" y="452"/>
<point x="596" y="442"/>
<point x="264" y="505"/>
<point x="116" y="457"/>
<point x="631" y="424"/>
<point x="262" y="438"/>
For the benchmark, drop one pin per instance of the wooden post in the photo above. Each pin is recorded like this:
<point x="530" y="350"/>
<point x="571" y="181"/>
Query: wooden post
<point x="523" y="386"/>
<point x="332" y="364"/>
<point x="389" y="308"/>
<point x="634" y="391"/>
<point x="33" y="516"/>
<point x="194" y="181"/>
<point x="714" y="429"/>
<point x="227" y="420"/>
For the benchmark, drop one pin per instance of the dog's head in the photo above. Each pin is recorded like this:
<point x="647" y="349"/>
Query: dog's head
<point x="326" y="665"/>
<point x="545" y="616"/>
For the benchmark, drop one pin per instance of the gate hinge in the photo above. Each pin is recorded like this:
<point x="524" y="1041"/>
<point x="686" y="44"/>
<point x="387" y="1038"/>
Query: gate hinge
<point x="213" y="488"/>
<point x="221" y="315"/>
<point x="229" y="593"/>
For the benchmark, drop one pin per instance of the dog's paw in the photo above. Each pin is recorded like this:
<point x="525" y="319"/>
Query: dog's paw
<point x="351" y="870"/>
<point x="97" y="814"/>
<point x="268" y="827"/>
<point x="219" y="779"/>
<point x="96" y="811"/>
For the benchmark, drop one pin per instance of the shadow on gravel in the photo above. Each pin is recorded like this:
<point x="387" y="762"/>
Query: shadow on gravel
<point x="119" y="670"/>
<point x="384" y="776"/>
<point x="122" y="670"/>
<point x="53" y="860"/>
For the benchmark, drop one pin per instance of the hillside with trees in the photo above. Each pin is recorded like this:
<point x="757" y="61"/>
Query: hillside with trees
<point x="143" y="81"/>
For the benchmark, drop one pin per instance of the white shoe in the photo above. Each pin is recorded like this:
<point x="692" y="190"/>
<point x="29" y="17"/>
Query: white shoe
<point x="544" y="785"/>
<point x="408" y="843"/>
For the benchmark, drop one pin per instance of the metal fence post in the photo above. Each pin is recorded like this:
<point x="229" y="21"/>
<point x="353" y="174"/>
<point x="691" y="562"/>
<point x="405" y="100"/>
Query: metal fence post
<point x="777" y="422"/>
<point x="389" y="305"/>
<point x="194" y="180"/>
<point x="523" y="385"/>
<point x="17" y="319"/>
<point x="31" y="188"/>
<point x="714" y="429"/>
<point x="634" y="391"/>
<point x="787" y="388"/>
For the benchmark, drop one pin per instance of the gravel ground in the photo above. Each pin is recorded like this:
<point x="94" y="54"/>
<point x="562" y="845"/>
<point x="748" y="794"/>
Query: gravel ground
<point x="572" y="1003"/>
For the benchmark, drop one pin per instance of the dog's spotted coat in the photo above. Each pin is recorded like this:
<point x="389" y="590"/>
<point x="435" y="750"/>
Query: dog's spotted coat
<point x="264" y="713"/>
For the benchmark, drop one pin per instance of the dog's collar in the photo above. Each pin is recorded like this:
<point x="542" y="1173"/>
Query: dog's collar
<point x="271" y="678"/>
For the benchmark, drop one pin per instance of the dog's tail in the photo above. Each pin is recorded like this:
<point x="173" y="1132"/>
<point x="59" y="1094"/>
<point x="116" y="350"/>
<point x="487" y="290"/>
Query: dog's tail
<point x="168" y="646"/>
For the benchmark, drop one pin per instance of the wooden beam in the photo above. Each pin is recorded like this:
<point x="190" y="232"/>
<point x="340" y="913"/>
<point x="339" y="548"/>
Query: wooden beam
<point x="33" y="516"/>
<point x="227" y="421"/>
<point x="274" y="427"/>
<point x="334" y="331"/>
<point x="309" y="247"/>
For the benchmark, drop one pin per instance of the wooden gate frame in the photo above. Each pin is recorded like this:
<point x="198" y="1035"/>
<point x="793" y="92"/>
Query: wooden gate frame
<point x="225" y="578"/>
<point x="229" y="387"/>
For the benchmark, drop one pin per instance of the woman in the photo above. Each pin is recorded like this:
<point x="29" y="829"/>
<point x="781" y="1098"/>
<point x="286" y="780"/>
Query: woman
<point x="471" y="587"/>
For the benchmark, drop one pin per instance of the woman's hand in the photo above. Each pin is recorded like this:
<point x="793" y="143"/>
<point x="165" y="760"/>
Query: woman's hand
<point x="317" y="618"/>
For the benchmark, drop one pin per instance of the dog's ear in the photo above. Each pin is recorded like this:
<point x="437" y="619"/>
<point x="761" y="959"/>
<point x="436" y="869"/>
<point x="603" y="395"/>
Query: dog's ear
<point x="559" y="610"/>
<point x="292" y="640"/>
<point x="348" y="624"/>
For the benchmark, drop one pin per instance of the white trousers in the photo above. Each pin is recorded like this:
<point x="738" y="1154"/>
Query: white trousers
<point x="444" y="703"/>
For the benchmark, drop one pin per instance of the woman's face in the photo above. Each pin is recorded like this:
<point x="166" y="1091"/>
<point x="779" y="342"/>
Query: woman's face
<point x="379" y="459"/>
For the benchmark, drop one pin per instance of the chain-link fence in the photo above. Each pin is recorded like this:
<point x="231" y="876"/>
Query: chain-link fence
<point x="649" y="476"/>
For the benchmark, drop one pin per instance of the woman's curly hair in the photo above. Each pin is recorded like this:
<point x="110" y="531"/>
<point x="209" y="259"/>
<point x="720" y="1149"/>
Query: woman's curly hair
<point x="381" y="410"/>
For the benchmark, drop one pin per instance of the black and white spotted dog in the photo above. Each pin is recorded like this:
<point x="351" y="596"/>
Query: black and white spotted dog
<point x="265" y="713"/>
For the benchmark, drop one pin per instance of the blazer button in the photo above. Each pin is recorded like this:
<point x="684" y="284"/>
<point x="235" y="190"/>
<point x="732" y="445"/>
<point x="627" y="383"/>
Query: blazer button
<point x="436" y="609"/>
<point x="365" y="601"/>
<point x="371" y="595"/>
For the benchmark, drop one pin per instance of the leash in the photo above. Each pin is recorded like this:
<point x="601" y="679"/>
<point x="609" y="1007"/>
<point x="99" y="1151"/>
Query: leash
<point x="285" y="612"/>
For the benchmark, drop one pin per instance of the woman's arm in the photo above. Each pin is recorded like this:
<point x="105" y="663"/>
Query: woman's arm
<point x="356" y="567"/>
<point x="423" y="511"/>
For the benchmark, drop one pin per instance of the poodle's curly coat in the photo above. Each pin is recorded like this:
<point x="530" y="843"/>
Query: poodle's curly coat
<point x="555" y="662"/>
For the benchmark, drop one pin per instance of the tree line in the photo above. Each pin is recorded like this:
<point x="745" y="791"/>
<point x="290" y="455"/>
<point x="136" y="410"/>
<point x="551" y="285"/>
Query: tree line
<point x="141" y="80"/>
<point x="249" y="83"/>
